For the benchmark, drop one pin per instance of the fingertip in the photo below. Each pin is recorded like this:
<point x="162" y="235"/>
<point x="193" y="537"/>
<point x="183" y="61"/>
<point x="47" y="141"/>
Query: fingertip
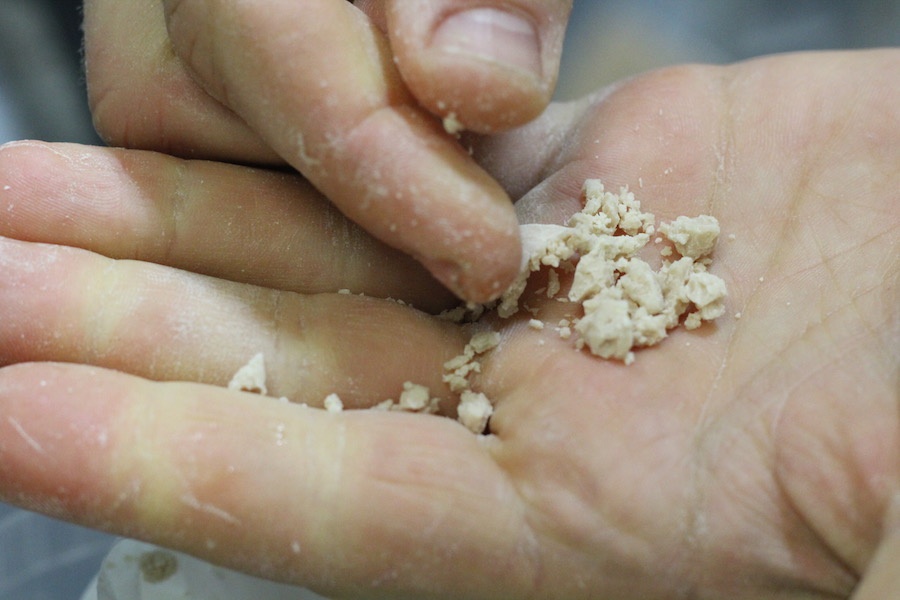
<point x="477" y="97"/>
<point x="483" y="270"/>
<point x="492" y="56"/>
<point x="490" y="68"/>
<point x="417" y="190"/>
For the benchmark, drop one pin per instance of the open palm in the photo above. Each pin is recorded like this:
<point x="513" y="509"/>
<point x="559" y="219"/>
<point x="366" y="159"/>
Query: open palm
<point x="757" y="456"/>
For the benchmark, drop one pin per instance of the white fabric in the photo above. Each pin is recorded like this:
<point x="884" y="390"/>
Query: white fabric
<point x="121" y="578"/>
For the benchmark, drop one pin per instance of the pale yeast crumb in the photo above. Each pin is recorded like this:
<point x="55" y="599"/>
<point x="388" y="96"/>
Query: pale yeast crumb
<point x="553" y="286"/>
<point x="536" y="324"/>
<point x="458" y="369"/>
<point x="474" y="410"/>
<point x="251" y="377"/>
<point x="333" y="403"/>
<point x="416" y="398"/>
<point x="484" y="341"/>
<point x="693" y="236"/>
<point x="384" y="405"/>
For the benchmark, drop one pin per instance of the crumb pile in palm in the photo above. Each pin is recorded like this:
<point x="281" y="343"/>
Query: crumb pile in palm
<point x="625" y="303"/>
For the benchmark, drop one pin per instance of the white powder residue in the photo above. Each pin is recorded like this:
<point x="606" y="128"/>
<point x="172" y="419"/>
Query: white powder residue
<point x="452" y="124"/>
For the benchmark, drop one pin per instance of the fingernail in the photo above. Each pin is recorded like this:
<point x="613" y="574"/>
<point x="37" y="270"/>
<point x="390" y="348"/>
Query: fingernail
<point x="493" y="35"/>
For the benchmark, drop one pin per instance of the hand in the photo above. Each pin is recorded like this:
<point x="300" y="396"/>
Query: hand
<point x="351" y="96"/>
<point x="757" y="457"/>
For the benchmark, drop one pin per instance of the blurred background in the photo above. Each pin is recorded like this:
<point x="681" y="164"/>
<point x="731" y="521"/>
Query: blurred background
<point x="42" y="96"/>
<point x="612" y="39"/>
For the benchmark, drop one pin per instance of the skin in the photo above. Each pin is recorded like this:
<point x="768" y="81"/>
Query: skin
<point x="349" y="97"/>
<point x="754" y="457"/>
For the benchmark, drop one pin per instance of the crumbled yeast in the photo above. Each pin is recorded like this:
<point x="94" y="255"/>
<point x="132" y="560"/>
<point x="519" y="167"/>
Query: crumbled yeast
<point x="474" y="408"/>
<point x="693" y="236"/>
<point x="414" y="398"/>
<point x="626" y="304"/>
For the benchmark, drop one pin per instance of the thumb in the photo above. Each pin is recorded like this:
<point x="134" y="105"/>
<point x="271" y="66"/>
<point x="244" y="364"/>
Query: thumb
<point x="489" y="65"/>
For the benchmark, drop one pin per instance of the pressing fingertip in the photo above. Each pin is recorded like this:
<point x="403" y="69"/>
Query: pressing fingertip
<point x="480" y="278"/>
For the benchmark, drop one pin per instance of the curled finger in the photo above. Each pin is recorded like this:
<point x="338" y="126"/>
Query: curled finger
<point x="324" y="92"/>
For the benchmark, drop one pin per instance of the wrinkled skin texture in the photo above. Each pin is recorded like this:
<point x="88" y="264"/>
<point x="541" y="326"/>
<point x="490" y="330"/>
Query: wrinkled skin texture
<point x="756" y="457"/>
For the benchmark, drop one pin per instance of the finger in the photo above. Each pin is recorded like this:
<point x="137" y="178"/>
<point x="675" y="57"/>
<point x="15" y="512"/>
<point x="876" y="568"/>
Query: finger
<point x="364" y="501"/>
<point x="881" y="578"/>
<point x="142" y="96"/>
<point x="69" y="305"/>
<point x="247" y="225"/>
<point x="324" y="93"/>
<point x="375" y="10"/>
<point x="491" y="65"/>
